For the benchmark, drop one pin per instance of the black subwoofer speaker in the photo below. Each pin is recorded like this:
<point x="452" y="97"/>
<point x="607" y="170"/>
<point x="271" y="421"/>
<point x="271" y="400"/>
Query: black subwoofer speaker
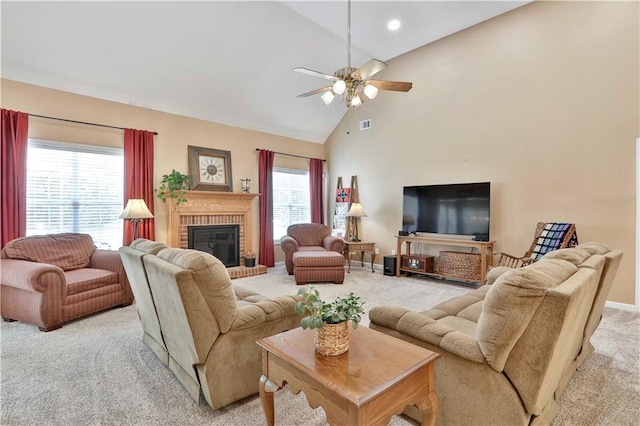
<point x="390" y="265"/>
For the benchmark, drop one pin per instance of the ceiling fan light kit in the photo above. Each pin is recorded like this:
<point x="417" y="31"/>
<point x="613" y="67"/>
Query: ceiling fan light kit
<point x="351" y="83"/>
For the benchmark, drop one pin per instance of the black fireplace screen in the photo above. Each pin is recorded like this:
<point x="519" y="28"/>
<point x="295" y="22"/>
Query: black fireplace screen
<point x="222" y="241"/>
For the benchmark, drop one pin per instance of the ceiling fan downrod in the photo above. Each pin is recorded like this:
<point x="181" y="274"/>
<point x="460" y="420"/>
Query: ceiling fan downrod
<point x="348" y="33"/>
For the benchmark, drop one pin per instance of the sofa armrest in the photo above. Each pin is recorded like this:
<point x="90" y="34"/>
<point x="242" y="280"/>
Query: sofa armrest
<point x="495" y="272"/>
<point x="332" y="243"/>
<point x="425" y="328"/>
<point x="111" y="261"/>
<point x="263" y="311"/>
<point x="288" y="244"/>
<point x="33" y="276"/>
<point x="279" y="307"/>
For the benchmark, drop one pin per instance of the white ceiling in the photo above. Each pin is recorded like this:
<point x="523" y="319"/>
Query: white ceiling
<point x="229" y="62"/>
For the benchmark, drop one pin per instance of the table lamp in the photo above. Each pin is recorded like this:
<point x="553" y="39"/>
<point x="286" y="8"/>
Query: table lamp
<point x="356" y="211"/>
<point x="136" y="211"/>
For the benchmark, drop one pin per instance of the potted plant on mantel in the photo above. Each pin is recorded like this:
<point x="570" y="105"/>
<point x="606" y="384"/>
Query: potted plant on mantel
<point x="174" y="185"/>
<point x="329" y="320"/>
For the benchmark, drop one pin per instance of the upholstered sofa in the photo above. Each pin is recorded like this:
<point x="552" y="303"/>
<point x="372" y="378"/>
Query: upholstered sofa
<point x="209" y="326"/>
<point x="510" y="348"/>
<point x="308" y="237"/>
<point x="48" y="280"/>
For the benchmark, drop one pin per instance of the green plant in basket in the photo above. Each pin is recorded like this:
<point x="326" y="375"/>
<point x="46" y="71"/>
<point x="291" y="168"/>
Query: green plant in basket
<point x="347" y="308"/>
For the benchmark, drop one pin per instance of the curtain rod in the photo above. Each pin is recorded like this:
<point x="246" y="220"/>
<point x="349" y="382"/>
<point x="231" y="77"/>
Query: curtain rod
<point x="291" y="155"/>
<point x="81" y="122"/>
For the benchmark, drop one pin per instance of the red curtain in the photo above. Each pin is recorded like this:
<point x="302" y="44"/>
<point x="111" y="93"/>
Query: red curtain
<point x="316" y="167"/>
<point x="265" y="185"/>
<point x="138" y="179"/>
<point x="13" y="186"/>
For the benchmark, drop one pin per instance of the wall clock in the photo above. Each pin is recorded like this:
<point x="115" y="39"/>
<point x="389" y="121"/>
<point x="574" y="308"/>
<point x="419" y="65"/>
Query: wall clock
<point x="210" y="169"/>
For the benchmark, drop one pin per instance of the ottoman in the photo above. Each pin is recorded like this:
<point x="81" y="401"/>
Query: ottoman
<point x="318" y="266"/>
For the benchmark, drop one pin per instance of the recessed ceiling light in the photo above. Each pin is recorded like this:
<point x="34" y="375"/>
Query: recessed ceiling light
<point x="393" y="25"/>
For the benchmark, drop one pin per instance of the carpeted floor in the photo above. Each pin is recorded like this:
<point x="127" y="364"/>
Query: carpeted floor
<point x="97" y="371"/>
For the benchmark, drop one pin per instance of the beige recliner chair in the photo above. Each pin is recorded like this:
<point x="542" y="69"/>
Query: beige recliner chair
<point x="133" y="265"/>
<point x="210" y="326"/>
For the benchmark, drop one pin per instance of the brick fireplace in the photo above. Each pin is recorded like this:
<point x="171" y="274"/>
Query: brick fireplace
<point x="209" y="208"/>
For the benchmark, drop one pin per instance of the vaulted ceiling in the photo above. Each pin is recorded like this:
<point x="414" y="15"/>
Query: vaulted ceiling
<point x="229" y="62"/>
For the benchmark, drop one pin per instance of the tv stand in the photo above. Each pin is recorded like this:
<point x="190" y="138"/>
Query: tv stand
<point x="485" y="248"/>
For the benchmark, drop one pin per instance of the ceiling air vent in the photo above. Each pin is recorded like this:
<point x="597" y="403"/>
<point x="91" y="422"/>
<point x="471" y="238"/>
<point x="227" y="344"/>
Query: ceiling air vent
<point x="365" y="124"/>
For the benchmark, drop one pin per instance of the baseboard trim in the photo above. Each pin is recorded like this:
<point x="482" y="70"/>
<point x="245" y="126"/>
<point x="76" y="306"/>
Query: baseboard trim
<point x="622" y="306"/>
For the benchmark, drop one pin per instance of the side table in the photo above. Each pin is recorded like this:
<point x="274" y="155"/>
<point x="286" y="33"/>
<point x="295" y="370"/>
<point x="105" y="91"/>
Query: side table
<point x="362" y="248"/>
<point x="376" y="378"/>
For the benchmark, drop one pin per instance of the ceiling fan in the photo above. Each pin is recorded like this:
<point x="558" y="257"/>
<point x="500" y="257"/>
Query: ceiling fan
<point x="351" y="83"/>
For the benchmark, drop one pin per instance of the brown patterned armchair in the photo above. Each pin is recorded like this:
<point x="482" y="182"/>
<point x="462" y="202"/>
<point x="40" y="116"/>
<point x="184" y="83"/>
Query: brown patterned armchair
<point x="48" y="280"/>
<point x="308" y="237"/>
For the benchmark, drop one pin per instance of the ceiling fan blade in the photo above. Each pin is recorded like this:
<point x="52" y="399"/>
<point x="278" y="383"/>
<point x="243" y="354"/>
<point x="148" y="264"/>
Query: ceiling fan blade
<point x="372" y="67"/>
<point x="398" y="86"/>
<point x="315" y="73"/>
<point x="315" y="92"/>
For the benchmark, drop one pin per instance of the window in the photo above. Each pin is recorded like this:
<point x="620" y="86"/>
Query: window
<point x="291" y="202"/>
<point x="75" y="188"/>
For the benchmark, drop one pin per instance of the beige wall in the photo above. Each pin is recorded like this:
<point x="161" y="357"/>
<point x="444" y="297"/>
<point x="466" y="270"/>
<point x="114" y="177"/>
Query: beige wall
<point x="542" y="102"/>
<point x="175" y="133"/>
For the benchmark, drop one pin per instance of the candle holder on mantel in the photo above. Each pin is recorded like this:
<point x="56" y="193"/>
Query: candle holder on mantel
<point x="246" y="185"/>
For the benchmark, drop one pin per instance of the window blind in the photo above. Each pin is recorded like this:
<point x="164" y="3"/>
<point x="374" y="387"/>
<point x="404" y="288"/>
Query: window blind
<point x="75" y="188"/>
<point x="291" y="199"/>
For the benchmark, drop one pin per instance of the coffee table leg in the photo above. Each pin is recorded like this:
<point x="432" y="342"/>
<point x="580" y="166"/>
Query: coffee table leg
<point x="266" y="397"/>
<point x="429" y="407"/>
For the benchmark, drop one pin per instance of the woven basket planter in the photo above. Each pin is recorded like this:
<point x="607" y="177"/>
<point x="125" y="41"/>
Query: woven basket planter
<point x="332" y="339"/>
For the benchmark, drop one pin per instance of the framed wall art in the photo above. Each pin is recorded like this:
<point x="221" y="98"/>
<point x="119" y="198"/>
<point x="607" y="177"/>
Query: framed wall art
<point x="210" y="169"/>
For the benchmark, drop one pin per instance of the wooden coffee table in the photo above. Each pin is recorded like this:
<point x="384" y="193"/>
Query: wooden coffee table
<point x="374" y="380"/>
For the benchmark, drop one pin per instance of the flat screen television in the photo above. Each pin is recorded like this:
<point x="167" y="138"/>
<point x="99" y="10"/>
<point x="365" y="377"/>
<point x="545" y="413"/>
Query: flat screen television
<point x="456" y="209"/>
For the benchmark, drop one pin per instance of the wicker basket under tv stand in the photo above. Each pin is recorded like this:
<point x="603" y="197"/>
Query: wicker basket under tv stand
<point x="485" y="248"/>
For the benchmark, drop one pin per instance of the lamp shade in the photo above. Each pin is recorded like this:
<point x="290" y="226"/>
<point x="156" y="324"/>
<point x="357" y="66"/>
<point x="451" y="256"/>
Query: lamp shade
<point x="327" y="98"/>
<point x="370" y="91"/>
<point x="355" y="102"/>
<point x="339" y="87"/>
<point x="136" y="209"/>
<point x="356" y="210"/>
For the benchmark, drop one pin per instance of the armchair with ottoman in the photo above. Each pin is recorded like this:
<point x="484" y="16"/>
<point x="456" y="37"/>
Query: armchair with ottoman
<point x="312" y="254"/>
<point x="510" y="348"/>
<point x="48" y="280"/>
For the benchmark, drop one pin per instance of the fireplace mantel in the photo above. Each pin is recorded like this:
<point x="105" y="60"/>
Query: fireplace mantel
<point x="210" y="207"/>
